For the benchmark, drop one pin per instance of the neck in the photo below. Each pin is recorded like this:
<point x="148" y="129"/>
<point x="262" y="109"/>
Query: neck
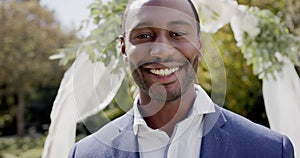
<point x="166" y="115"/>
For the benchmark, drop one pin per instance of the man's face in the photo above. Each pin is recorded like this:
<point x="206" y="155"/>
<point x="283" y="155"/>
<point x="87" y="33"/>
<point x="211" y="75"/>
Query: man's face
<point x="162" y="46"/>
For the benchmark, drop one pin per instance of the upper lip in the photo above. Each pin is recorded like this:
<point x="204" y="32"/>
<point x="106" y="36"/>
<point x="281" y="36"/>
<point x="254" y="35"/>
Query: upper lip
<point x="164" y="65"/>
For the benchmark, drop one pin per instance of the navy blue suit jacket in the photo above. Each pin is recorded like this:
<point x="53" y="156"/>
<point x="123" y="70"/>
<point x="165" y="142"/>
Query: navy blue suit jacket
<point x="225" y="135"/>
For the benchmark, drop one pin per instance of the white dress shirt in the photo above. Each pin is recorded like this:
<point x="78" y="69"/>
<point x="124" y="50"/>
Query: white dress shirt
<point x="185" y="141"/>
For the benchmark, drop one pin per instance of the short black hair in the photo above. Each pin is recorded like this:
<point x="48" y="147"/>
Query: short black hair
<point x="130" y="3"/>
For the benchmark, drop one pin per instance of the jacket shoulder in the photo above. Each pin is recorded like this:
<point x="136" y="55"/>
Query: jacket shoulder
<point x="249" y="136"/>
<point x="100" y="143"/>
<point x="242" y="127"/>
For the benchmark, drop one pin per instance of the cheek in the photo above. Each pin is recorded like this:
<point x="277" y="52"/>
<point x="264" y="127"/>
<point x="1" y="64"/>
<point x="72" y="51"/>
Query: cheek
<point x="190" y="51"/>
<point x="137" y="54"/>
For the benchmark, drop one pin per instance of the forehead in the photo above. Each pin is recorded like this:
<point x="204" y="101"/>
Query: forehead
<point x="181" y="5"/>
<point x="159" y="12"/>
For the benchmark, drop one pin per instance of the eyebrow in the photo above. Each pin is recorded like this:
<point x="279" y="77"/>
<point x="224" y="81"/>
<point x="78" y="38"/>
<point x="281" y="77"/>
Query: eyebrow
<point x="142" y="24"/>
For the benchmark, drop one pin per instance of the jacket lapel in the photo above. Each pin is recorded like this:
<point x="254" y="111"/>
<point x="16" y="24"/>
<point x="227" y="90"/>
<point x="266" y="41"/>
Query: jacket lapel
<point x="125" y="143"/>
<point x="215" y="139"/>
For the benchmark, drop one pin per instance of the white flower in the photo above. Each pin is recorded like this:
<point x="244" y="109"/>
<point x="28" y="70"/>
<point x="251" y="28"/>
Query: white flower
<point x="214" y="14"/>
<point x="250" y="24"/>
<point x="244" y="22"/>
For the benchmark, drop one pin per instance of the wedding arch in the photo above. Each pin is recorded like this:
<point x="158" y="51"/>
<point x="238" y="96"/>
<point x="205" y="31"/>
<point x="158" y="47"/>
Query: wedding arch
<point x="264" y="40"/>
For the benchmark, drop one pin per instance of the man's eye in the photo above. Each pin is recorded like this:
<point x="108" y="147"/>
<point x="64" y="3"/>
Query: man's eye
<point x="144" y="36"/>
<point x="177" y="34"/>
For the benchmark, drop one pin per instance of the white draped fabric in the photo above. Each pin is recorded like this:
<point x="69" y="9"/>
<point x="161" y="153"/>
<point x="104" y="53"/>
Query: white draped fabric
<point x="215" y="14"/>
<point x="85" y="89"/>
<point x="282" y="102"/>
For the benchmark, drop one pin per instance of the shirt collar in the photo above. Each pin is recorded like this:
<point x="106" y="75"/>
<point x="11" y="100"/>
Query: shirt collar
<point x="202" y="105"/>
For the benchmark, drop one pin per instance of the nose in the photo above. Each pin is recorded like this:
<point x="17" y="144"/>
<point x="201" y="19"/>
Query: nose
<point x="162" y="47"/>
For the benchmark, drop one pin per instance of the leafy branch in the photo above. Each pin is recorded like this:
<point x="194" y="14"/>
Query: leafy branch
<point x="274" y="40"/>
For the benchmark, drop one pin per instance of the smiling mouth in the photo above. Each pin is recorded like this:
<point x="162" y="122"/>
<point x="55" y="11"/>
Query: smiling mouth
<point x="164" y="72"/>
<point x="164" y="69"/>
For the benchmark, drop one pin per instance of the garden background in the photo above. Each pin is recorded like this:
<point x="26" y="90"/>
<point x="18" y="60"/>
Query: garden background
<point x="29" y="80"/>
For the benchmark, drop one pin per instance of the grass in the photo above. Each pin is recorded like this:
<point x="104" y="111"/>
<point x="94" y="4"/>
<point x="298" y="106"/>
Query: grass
<point x="21" y="147"/>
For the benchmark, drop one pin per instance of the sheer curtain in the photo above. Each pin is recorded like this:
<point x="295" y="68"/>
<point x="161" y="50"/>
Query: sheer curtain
<point x="85" y="89"/>
<point x="282" y="103"/>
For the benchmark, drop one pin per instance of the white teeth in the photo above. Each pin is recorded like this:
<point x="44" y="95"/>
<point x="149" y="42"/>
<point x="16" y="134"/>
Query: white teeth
<point x="164" y="72"/>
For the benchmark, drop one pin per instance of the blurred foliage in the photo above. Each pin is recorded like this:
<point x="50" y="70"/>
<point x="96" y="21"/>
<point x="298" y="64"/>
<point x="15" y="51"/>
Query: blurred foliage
<point x="101" y="43"/>
<point x="287" y="10"/>
<point x="265" y="52"/>
<point x="26" y="147"/>
<point x="243" y="88"/>
<point x="29" y="35"/>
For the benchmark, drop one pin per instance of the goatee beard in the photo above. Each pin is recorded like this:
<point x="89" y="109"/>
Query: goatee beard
<point x="190" y="69"/>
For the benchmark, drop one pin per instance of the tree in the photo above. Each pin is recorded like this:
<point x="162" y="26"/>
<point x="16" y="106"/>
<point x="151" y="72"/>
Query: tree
<point x="29" y="35"/>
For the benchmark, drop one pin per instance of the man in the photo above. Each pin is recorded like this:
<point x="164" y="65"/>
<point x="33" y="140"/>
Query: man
<point x="173" y="117"/>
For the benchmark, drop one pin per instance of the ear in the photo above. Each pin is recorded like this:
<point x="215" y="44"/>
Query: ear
<point x="123" y="48"/>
